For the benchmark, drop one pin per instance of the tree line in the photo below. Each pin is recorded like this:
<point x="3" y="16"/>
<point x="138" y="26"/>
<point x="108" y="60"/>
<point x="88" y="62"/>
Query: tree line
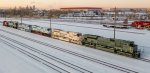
<point x="31" y="11"/>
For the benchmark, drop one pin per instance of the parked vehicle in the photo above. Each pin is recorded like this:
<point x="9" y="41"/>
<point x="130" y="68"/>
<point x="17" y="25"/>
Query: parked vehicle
<point x="141" y="24"/>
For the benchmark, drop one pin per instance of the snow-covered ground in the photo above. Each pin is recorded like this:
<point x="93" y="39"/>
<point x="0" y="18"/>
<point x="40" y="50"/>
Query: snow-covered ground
<point x="13" y="62"/>
<point x="9" y="56"/>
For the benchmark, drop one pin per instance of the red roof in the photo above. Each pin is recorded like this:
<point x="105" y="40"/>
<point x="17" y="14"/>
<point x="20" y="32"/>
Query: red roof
<point x="82" y="8"/>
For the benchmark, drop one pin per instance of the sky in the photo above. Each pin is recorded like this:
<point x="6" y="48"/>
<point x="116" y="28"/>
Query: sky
<point x="56" y="4"/>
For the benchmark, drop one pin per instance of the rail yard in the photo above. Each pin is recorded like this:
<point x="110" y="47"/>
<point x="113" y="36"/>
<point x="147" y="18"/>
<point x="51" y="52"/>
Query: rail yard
<point x="75" y="50"/>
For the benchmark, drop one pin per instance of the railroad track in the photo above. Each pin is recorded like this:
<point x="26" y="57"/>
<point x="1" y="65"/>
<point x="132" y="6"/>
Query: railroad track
<point x="145" y="60"/>
<point x="96" y="28"/>
<point x="126" y="70"/>
<point x="38" y="59"/>
<point x="75" y="67"/>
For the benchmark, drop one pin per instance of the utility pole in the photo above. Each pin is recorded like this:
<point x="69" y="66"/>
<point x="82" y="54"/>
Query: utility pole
<point x="5" y="15"/>
<point x="115" y="26"/>
<point x="21" y="15"/>
<point x="21" y="19"/>
<point x="50" y="25"/>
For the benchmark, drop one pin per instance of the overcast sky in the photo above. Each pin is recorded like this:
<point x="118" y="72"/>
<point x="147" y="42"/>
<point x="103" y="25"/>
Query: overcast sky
<point x="47" y="4"/>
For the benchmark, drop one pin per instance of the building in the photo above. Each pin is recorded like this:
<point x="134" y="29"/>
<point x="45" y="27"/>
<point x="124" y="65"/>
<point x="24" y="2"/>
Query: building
<point x="82" y="12"/>
<point x="82" y="8"/>
<point x="95" y="13"/>
<point x="130" y="9"/>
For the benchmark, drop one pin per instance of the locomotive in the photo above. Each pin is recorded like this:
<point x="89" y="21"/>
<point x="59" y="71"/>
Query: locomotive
<point x="117" y="46"/>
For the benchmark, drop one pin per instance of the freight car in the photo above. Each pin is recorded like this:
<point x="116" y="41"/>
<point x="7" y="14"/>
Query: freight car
<point x="73" y="37"/>
<point x="5" y="23"/>
<point x="122" y="47"/>
<point x="64" y="35"/>
<point x="56" y="33"/>
<point x="25" y="27"/>
<point x="41" y="30"/>
<point x="12" y="24"/>
<point x="46" y="31"/>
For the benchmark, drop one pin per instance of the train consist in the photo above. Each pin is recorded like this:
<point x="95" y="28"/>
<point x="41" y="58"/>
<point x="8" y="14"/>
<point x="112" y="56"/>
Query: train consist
<point x="118" y="46"/>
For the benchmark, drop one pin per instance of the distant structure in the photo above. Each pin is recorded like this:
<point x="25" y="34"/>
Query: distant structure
<point x="130" y="13"/>
<point x="130" y="9"/>
<point x="96" y="13"/>
<point x="82" y="8"/>
<point x="82" y="12"/>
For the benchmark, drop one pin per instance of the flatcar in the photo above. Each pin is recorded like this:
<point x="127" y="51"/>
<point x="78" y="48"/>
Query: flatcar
<point x="15" y="24"/>
<point x="64" y="36"/>
<point x="56" y="33"/>
<point x="73" y="37"/>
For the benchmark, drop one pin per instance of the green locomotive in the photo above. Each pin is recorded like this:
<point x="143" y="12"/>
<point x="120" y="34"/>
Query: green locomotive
<point x="122" y="47"/>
